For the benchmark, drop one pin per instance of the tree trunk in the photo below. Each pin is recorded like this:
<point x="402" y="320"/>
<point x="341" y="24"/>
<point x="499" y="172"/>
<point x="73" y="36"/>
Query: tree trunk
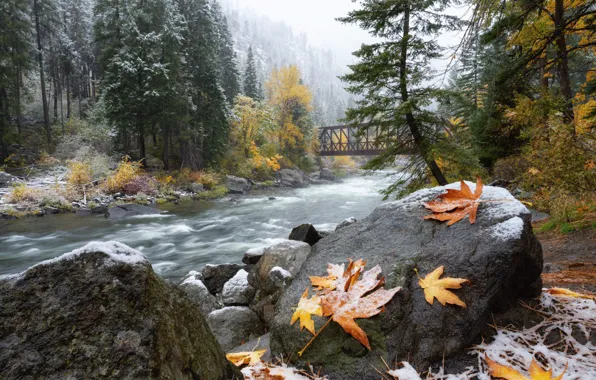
<point x="3" y="124"/>
<point x="68" y="96"/>
<point x="154" y="138"/>
<point x="166" y="148"/>
<point x="18" y="104"/>
<point x="562" y="60"/>
<point x="46" y="111"/>
<point x="419" y="139"/>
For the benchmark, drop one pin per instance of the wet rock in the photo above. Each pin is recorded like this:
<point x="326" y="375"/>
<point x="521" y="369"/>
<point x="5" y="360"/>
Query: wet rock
<point x="233" y="325"/>
<point x="499" y="254"/>
<point x="253" y="255"/>
<point x="289" y="255"/>
<point x="198" y="293"/>
<point x="538" y="216"/>
<point x="551" y="268"/>
<point x="83" y="212"/>
<point x="51" y="210"/>
<point x="346" y="222"/>
<point x="271" y="198"/>
<point x="278" y="279"/>
<point x="99" y="210"/>
<point x="237" y="291"/>
<point x="237" y="185"/>
<point x="101" y="312"/>
<point x="256" y="344"/>
<point x="327" y="175"/>
<point x="6" y="180"/>
<point x="305" y="233"/>
<point x="291" y="178"/>
<point x="215" y="276"/>
<point x="128" y="210"/>
<point x="195" y="187"/>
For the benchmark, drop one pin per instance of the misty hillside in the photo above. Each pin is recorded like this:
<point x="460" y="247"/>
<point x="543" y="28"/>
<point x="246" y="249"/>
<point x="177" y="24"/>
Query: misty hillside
<point x="275" y="44"/>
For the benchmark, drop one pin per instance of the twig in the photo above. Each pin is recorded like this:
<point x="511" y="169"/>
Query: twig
<point x="313" y="338"/>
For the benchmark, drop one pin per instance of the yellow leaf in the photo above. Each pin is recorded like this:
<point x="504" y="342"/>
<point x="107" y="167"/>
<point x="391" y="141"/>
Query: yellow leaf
<point x="435" y="288"/>
<point x="536" y="372"/>
<point x="568" y="293"/>
<point x="242" y="358"/>
<point x="307" y="307"/>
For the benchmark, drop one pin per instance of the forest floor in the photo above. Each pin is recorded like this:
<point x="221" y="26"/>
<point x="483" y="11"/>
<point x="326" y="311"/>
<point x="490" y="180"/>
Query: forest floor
<point x="572" y="259"/>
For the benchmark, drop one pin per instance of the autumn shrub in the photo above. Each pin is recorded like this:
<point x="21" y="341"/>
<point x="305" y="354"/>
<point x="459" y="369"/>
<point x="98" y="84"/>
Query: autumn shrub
<point x="46" y="161"/>
<point x="343" y="162"/>
<point x="142" y="184"/>
<point x="21" y="193"/>
<point x="511" y="168"/>
<point x="126" y="172"/>
<point x="569" y="213"/>
<point x="79" y="174"/>
<point x="216" y="192"/>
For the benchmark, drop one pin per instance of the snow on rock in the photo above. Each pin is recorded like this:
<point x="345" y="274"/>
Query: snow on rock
<point x="116" y="252"/>
<point x="509" y="229"/>
<point x="237" y="291"/>
<point x="282" y="371"/>
<point x="196" y="290"/>
<point x="406" y="373"/>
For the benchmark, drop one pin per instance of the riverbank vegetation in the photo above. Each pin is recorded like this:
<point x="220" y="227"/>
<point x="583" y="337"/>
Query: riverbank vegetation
<point x="518" y="103"/>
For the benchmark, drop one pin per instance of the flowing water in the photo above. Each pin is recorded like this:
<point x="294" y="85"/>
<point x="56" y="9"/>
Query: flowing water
<point x="189" y="236"/>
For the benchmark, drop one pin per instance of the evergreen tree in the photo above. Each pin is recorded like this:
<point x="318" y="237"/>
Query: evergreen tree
<point x="251" y="81"/>
<point x="392" y="77"/>
<point x="229" y="74"/>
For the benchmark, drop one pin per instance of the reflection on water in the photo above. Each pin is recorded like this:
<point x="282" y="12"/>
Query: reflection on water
<point x="192" y="235"/>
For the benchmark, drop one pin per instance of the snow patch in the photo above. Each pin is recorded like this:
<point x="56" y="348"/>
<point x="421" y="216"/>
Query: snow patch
<point x="282" y="272"/>
<point x="510" y="229"/>
<point x="406" y="373"/>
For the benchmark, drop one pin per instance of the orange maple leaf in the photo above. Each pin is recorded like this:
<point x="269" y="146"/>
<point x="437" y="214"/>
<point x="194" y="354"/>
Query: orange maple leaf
<point x="454" y="205"/>
<point x="346" y="303"/>
<point x="508" y="373"/>
<point x="437" y="288"/>
<point x="337" y="276"/>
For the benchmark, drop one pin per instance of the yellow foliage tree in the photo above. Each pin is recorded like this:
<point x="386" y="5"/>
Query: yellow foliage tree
<point x="251" y="119"/>
<point x="286" y="92"/>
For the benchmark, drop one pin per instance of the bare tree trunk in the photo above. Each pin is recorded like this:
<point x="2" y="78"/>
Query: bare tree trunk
<point x="562" y="60"/>
<point x="18" y="105"/>
<point x="419" y="139"/>
<point x="46" y="111"/>
<point x="68" y="96"/>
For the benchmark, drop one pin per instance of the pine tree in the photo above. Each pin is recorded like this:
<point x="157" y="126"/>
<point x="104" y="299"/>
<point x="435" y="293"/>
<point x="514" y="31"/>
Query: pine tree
<point x="391" y="78"/>
<point x="251" y="81"/>
<point x="229" y="74"/>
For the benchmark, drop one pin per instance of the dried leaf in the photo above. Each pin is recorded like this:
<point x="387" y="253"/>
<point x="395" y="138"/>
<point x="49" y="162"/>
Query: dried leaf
<point x="569" y="293"/>
<point x="242" y="358"/>
<point x="454" y="205"/>
<point x="508" y="373"/>
<point x="347" y="303"/>
<point x="437" y="288"/>
<point x="337" y="277"/>
<point x="307" y="307"/>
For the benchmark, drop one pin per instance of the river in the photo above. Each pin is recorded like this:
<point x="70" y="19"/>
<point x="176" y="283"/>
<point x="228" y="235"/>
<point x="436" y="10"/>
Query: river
<point x="188" y="236"/>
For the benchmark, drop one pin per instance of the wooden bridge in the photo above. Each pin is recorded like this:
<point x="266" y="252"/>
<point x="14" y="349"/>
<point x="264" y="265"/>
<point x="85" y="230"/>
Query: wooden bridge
<point x="343" y="140"/>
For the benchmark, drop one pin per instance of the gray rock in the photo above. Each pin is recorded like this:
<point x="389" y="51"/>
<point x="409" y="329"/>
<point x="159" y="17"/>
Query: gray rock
<point x="291" y="178"/>
<point x="305" y="233"/>
<point x="99" y="209"/>
<point x="289" y="255"/>
<point x="237" y="291"/>
<point x="551" y="268"/>
<point x="7" y="179"/>
<point x="195" y="187"/>
<point x="327" y="175"/>
<point x="237" y="185"/>
<point x="101" y="312"/>
<point x="499" y="254"/>
<point x="50" y="210"/>
<point x="83" y="212"/>
<point x="233" y="325"/>
<point x="253" y="255"/>
<point x="538" y="216"/>
<point x="260" y="343"/>
<point x="346" y="222"/>
<point x="215" y="276"/>
<point x="198" y="293"/>
<point x="278" y="279"/>
<point x="128" y="210"/>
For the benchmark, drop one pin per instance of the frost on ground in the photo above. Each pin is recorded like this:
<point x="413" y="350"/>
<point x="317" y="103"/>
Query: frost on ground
<point x="116" y="252"/>
<point x="263" y="371"/>
<point x="564" y="338"/>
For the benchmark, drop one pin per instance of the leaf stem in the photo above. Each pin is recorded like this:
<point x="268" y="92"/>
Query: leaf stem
<point x="313" y="338"/>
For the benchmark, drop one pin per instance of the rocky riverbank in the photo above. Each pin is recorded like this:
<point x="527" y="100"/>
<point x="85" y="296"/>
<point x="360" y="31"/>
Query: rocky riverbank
<point x="499" y="255"/>
<point x="45" y="194"/>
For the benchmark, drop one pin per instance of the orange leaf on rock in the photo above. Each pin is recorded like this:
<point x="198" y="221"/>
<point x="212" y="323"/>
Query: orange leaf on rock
<point x="454" y="205"/>
<point x="337" y="276"/>
<point x="437" y="288"/>
<point x="307" y="307"/>
<point x="242" y="358"/>
<point x="358" y="298"/>
<point x="536" y="372"/>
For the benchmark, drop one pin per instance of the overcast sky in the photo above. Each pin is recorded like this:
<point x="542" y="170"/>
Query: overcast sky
<point x="316" y="18"/>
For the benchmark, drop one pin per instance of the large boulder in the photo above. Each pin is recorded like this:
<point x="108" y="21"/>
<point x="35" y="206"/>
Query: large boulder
<point x="237" y="185"/>
<point x="215" y="276"/>
<point x="128" y="210"/>
<point x="289" y="255"/>
<point x="499" y="254"/>
<point x="101" y="312"/>
<point x="306" y="233"/>
<point x="327" y="175"/>
<point x="346" y="222"/>
<point x="234" y="325"/>
<point x="291" y="178"/>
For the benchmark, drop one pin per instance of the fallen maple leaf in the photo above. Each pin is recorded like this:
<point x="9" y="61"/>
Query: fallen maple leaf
<point x="347" y="303"/>
<point x="305" y="308"/>
<point x="437" y="288"/>
<point x="454" y="205"/>
<point x="508" y="373"/>
<point x="242" y="358"/>
<point x="337" y="276"/>
<point x="569" y="293"/>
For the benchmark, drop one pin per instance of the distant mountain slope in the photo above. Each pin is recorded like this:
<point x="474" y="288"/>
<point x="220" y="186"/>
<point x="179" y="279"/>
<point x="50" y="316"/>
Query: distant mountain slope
<point x="274" y="45"/>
